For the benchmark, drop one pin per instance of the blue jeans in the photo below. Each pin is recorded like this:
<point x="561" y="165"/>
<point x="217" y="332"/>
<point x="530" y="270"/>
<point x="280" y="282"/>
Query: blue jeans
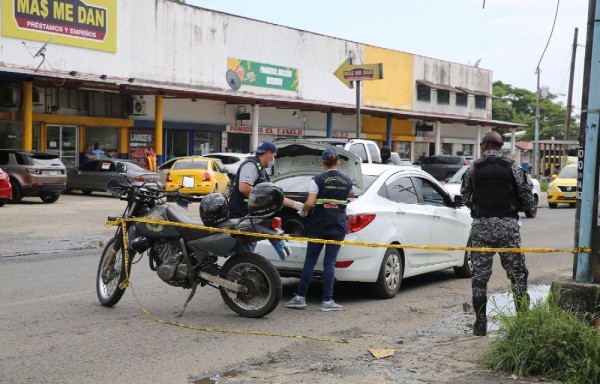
<point x="312" y="256"/>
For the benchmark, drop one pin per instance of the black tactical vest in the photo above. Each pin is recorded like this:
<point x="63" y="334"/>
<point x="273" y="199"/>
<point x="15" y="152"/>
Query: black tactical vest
<point x="328" y="216"/>
<point x="238" y="207"/>
<point x="494" y="188"/>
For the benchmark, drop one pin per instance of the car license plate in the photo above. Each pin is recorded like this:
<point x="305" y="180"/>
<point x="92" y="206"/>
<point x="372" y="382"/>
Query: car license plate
<point x="570" y="194"/>
<point x="53" y="173"/>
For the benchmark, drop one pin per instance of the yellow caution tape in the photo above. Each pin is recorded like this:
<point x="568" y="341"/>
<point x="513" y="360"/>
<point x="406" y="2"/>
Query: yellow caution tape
<point x="127" y="283"/>
<point x="353" y="243"/>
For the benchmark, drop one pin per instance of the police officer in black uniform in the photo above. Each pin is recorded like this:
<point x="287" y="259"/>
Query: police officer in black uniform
<point x="250" y="173"/>
<point x="327" y="197"/>
<point x="496" y="189"/>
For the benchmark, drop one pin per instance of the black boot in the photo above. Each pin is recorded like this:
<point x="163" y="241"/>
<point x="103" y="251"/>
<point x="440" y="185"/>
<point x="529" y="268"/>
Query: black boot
<point x="522" y="303"/>
<point x="480" y="306"/>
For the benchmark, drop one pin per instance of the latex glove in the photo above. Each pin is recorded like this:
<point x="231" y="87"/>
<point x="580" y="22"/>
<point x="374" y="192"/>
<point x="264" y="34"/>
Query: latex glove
<point x="301" y="213"/>
<point x="298" y="205"/>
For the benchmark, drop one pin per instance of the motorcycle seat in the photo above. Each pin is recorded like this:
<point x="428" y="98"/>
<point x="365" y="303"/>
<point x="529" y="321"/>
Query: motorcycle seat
<point x="229" y="223"/>
<point x="175" y="216"/>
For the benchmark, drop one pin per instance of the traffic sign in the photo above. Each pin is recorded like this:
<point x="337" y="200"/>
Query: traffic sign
<point x="347" y="72"/>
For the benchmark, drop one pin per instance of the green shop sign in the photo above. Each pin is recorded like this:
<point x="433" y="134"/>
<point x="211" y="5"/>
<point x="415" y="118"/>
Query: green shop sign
<point x="265" y="75"/>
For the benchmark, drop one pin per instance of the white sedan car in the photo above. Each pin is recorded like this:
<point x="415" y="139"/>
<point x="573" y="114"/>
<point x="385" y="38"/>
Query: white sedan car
<point x="230" y="160"/>
<point x="395" y="205"/>
<point x="453" y="187"/>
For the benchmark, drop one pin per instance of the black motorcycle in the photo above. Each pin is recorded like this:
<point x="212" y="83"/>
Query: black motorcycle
<point x="187" y="257"/>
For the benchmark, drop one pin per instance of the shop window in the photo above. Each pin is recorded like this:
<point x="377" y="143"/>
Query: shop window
<point x="446" y="148"/>
<point x="480" y="102"/>
<point x="443" y="97"/>
<point x="423" y="93"/>
<point x="108" y="138"/>
<point x="461" y="99"/>
<point x="11" y="135"/>
<point x="206" y="142"/>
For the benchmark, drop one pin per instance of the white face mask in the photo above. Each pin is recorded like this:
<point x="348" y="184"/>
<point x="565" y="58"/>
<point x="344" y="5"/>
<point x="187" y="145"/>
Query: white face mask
<point x="271" y="164"/>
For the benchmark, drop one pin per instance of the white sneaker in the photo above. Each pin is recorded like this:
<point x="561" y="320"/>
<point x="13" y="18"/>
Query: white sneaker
<point x="331" y="305"/>
<point x="297" y="302"/>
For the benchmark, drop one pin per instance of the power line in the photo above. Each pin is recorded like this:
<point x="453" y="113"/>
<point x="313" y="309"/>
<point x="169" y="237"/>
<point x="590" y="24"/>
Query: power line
<point x="552" y="31"/>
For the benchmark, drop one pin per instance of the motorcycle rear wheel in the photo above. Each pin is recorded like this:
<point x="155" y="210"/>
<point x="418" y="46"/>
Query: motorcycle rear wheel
<point x="261" y="280"/>
<point x="109" y="293"/>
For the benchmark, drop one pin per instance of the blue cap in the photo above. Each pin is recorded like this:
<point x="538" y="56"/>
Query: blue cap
<point x="265" y="146"/>
<point x="328" y="152"/>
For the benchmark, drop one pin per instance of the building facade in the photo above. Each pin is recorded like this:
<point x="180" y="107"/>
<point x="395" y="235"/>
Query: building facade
<point x="188" y="80"/>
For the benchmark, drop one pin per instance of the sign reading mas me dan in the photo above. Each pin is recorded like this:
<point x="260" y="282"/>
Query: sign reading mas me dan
<point x="88" y="24"/>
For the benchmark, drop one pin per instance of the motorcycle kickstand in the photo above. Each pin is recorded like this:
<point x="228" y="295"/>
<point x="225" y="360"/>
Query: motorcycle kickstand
<point x="188" y="300"/>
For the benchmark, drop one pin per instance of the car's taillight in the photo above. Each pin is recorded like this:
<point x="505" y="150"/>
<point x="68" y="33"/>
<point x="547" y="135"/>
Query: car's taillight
<point x="358" y="222"/>
<point x="206" y="176"/>
<point x="343" y="264"/>
<point x="139" y="178"/>
<point x="465" y="163"/>
<point x="34" y="171"/>
<point x="276" y="223"/>
<point x="169" y="178"/>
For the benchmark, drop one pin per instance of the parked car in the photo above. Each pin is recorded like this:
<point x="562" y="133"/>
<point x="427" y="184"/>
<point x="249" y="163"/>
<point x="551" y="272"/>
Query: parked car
<point x="452" y="186"/>
<point x="367" y="150"/>
<point x="230" y="160"/>
<point x="209" y="174"/>
<point x="563" y="189"/>
<point x="93" y="175"/>
<point x="444" y="166"/>
<point x="393" y="205"/>
<point x="34" y="174"/>
<point x="5" y="188"/>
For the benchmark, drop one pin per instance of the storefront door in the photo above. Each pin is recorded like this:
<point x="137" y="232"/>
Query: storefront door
<point x="62" y="140"/>
<point x="176" y="143"/>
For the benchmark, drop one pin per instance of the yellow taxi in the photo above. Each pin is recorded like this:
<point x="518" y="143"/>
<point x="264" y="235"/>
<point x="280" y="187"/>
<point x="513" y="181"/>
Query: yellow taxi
<point x="209" y="174"/>
<point x="563" y="189"/>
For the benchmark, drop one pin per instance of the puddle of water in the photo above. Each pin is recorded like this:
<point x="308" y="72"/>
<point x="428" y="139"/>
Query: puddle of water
<point x="503" y="303"/>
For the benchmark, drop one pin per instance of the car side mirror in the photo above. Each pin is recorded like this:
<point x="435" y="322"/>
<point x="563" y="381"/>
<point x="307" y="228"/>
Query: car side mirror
<point x="188" y="182"/>
<point x="458" y="201"/>
<point x="554" y="177"/>
<point x="121" y="168"/>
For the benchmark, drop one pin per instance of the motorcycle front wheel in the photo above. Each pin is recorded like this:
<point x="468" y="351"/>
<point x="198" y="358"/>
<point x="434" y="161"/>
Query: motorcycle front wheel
<point x="261" y="282"/>
<point x="109" y="277"/>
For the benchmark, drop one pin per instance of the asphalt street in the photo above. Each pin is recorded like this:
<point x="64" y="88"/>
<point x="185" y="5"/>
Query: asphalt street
<point x="52" y="329"/>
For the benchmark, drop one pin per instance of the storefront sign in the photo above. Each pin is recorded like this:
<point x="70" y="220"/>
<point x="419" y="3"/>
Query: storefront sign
<point x="265" y="131"/>
<point x="139" y="142"/>
<point x="341" y="135"/>
<point x="88" y="24"/>
<point x="265" y="75"/>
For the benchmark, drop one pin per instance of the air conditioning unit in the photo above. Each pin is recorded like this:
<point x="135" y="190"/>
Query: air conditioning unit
<point x="138" y="107"/>
<point x="10" y="96"/>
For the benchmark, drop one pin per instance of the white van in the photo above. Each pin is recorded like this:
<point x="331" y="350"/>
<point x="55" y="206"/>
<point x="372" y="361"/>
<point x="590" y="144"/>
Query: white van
<point x="367" y="150"/>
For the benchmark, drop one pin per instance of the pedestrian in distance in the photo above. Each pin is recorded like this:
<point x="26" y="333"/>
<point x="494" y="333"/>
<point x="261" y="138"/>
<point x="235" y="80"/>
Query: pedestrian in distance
<point x="151" y="159"/>
<point x="495" y="188"/>
<point x="327" y="198"/>
<point x="556" y="170"/>
<point x="99" y="153"/>
<point x="88" y="154"/>
<point x="386" y="155"/>
<point x="250" y="173"/>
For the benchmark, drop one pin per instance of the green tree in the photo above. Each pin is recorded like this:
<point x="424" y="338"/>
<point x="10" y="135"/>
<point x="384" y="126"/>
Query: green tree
<point x="517" y="105"/>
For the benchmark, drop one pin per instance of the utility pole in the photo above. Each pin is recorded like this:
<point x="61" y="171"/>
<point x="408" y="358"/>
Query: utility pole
<point x="570" y="93"/>
<point x="536" y="136"/>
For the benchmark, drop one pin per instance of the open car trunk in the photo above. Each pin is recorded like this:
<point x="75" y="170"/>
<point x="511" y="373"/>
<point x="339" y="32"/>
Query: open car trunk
<point x="296" y="163"/>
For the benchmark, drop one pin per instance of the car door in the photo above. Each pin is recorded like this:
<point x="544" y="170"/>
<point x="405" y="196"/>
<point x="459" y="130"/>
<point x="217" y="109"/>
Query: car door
<point x="410" y="218"/>
<point x="448" y="224"/>
<point x="83" y="177"/>
<point x="107" y="170"/>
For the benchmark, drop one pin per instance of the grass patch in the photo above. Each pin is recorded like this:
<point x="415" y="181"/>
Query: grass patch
<point x="544" y="185"/>
<point x="547" y="342"/>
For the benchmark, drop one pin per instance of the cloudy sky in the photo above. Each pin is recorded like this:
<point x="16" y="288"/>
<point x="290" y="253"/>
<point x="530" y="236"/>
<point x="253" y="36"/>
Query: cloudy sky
<point x="509" y="36"/>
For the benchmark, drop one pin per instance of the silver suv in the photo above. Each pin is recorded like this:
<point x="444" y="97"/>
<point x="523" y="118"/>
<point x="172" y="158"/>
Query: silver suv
<point x="34" y="174"/>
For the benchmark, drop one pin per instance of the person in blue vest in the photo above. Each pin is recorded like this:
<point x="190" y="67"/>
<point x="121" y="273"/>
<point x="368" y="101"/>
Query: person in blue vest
<point x="250" y="173"/>
<point x="327" y="197"/>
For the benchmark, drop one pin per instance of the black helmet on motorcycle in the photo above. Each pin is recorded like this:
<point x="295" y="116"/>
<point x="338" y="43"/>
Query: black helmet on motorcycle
<point x="265" y="199"/>
<point x="214" y="209"/>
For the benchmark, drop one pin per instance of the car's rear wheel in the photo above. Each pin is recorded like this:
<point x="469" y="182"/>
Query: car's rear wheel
<point x="16" y="191"/>
<point x="2" y="202"/>
<point x="530" y="213"/>
<point x="390" y="275"/>
<point x="50" y="198"/>
<point x="552" y="205"/>
<point x="465" y="270"/>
